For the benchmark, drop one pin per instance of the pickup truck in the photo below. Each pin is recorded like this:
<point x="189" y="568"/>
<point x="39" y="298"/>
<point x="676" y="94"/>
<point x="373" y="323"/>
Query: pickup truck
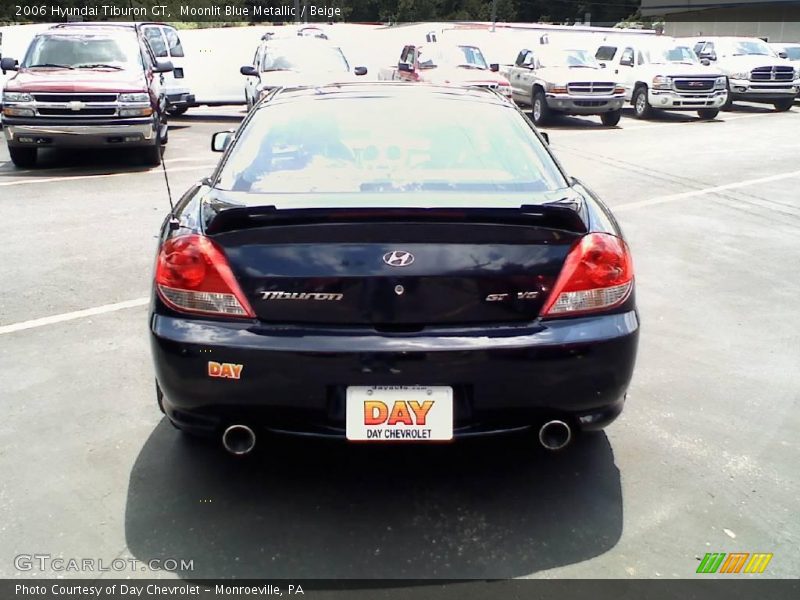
<point x="755" y="71"/>
<point x="564" y="80"/>
<point x="85" y="86"/>
<point x="663" y="73"/>
<point x="439" y="63"/>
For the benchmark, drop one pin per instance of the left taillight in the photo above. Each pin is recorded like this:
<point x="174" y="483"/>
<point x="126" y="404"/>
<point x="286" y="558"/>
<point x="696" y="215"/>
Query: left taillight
<point x="597" y="275"/>
<point x="193" y="275"/>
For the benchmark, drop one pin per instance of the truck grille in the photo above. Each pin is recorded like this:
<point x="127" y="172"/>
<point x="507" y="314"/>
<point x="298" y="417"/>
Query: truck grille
<point x="591" y="87"/>
<point x="75" y="105"/>
<point x="772" y="74"/>
<point x="84" y="112"/>
<point x="694" y="85"/>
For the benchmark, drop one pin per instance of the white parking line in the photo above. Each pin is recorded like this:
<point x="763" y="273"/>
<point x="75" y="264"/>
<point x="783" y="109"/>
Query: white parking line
<point x="711" y="190"/>
<point x="99" y="176"/>
<point x="108" y="308"/>
<point x="71" y="316"/>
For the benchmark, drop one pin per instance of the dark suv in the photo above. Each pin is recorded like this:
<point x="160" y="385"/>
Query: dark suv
<point x="81" y="86"/>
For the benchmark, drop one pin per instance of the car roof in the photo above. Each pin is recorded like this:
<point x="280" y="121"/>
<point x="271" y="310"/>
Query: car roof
<point x="83" y="29"/>
<point x="383" y="89"/>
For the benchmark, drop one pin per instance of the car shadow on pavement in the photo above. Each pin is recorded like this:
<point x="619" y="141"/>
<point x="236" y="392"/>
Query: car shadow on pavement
<point x="70" y="162"/>
<point x="299" y="508"/>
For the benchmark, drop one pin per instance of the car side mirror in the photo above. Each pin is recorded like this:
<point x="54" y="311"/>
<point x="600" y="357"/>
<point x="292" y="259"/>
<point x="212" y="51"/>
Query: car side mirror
<point x="360" y="71"/>
<point x="783" y="54"/>
<point x="163" y="66"/>
<point x="709" y="56"/>
<point x="404" y="67"/>
<point x="249" y="71"/>
<point x="705" y="62"/>
<point x="221" y="140"/>
<point x="602" y="65"/>
<point x="494" y="67"/>
<point x="545" y="137"/>
<point x="9" y="64"/>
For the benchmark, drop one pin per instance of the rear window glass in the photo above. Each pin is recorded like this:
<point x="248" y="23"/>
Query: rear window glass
<point x="354" y="145"/>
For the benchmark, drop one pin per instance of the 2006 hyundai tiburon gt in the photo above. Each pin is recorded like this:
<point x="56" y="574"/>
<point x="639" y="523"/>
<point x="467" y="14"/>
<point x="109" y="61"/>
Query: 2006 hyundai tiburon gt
<point x="384" y="262"/>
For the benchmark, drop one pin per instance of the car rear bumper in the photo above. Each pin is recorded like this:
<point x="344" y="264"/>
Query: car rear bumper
<point x="686" y="101"/>
<point x="585" y="105"/>
<point x="180" y="98"/>
<point x="294" y="379"/>
<point x="30" y="132"/>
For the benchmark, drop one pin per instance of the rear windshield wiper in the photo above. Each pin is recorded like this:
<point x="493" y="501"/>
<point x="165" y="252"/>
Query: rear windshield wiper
<point x="99" y="66"/>
<point x="52" y="65"/>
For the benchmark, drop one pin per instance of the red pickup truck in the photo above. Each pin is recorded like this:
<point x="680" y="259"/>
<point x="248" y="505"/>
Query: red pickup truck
<point x="439" y="63"/>
<point x="85" y="86"/>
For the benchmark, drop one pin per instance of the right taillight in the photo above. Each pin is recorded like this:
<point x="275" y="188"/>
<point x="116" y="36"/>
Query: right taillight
<point x="193" y="275"/>
<point x="597" y="275"/>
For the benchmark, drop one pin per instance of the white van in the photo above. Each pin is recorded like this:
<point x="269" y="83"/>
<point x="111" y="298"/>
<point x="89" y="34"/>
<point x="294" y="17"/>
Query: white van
<point x="166" y="44"/>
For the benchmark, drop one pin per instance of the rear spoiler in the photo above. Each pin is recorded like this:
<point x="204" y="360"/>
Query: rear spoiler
<point x="556" y="216"/>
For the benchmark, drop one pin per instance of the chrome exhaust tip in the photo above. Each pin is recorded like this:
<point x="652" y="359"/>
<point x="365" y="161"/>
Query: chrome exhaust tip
<point x="239" y="440"/>
<point x="555" y="435"/>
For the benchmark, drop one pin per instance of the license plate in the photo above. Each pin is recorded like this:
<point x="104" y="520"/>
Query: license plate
<point x="399" y="413"/>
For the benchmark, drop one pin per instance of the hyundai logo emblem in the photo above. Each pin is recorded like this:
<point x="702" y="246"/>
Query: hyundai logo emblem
<point x="398" y="258"/>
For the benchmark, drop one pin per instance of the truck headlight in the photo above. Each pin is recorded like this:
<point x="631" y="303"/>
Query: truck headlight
<point x="142" y="97"/>
<point x="741" y="75"/>
<point x="17" y="97"/>
<point x="661" y="82"/>
<point x="720" y="83"/>
<point x="556" y="89"/>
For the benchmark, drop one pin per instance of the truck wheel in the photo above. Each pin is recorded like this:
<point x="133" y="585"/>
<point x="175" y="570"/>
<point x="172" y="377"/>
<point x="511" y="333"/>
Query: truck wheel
<point x="24" y="158"/>
<point x="783" y="105"/>
<point x="541" y="112"/>
<point x="177" y="111"/>
<point x="641" y="106"/>
<point x="611" y="118"/>
<point x="709" y="114"/>
<point x="152" y="154"/>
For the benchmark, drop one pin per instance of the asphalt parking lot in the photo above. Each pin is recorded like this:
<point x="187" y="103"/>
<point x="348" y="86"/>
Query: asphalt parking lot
<point x="703" y="459"/>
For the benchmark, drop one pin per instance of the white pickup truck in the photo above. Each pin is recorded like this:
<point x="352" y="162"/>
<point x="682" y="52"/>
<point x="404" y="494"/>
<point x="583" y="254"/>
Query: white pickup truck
<point x="755" y="71"/>
<point x="663" y="73"/>
<point x="568" y="81"/>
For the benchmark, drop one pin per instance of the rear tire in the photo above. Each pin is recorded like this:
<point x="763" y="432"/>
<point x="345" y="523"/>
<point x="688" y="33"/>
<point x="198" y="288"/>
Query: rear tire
<point x="539" y="109"/>
<point x="610" y="119"/>
<point x="708" y="114"/>
<point x="783" y="105"/>
<point x="24" y="158"/>
<point x="641" y="105"/>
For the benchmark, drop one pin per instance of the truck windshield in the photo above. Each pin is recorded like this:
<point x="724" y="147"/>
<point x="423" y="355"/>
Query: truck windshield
<point x="353" y="144"/>
<point x="553" y="57"/>
<point x="744" y="48"/>
<point x="451" y="56"/>
<point x="670" y="54"/>
<point x="304" y="57"/>
<point x="84" y="51"/>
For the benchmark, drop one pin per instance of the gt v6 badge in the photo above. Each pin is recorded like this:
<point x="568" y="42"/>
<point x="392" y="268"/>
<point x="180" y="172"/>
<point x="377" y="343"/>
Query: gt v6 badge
<point x="519" y="296"/>
<point x="301" y="296"/>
